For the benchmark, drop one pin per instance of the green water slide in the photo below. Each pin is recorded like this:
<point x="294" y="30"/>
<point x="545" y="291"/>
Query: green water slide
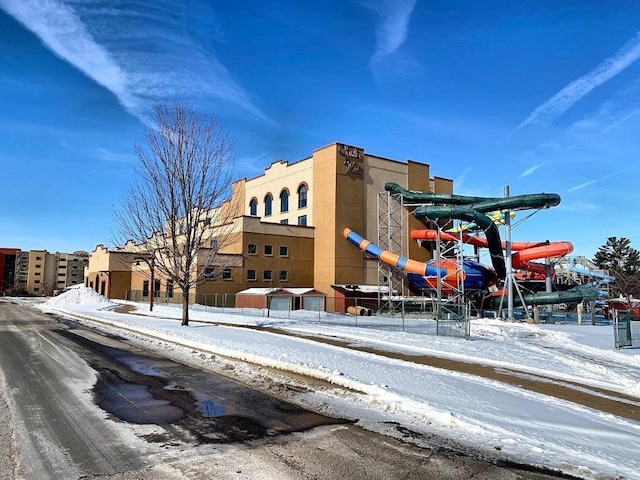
<point x="573" y="295"/>
<point x="473" y="209"/>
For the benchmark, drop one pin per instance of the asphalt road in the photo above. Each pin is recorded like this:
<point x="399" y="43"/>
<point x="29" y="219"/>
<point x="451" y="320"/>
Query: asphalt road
<point x="76" y="404"/>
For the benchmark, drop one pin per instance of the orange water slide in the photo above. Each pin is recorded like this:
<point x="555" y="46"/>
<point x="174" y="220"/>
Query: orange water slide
<point x="524" y="252"/>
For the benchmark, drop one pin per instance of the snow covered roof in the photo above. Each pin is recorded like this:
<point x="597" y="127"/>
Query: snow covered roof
<point x="354" y="287"/>
<point x="270" y="290"/>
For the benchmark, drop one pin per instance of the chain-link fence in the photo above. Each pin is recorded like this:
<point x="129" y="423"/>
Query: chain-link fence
<point x="415" y="314"/>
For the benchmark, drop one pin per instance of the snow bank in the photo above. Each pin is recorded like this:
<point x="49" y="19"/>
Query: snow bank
<point x="78" y="296"/>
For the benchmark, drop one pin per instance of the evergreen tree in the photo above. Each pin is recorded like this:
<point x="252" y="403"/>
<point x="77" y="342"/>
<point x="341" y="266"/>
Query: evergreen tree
<point x="623" y="262"/>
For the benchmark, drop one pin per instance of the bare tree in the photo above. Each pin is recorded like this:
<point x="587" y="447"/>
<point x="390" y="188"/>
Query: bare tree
<point x="177" y="212"/>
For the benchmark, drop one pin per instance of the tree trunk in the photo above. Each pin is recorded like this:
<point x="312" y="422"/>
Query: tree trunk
<point x="185" y="307"/>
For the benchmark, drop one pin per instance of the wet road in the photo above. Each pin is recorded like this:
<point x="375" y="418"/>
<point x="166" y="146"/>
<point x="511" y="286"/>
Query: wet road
<point x="76" y="403"/>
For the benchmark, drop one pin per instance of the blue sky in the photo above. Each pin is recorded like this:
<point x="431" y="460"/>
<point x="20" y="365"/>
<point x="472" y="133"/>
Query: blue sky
<point x="543" y="96"/>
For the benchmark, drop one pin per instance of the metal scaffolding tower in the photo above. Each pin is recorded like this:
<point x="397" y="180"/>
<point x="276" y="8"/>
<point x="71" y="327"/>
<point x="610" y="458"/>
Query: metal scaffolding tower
<point x="391" y="213"/>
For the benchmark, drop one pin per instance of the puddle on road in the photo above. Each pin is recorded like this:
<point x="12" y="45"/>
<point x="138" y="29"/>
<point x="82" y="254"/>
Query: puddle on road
<point x="148" y="389"/>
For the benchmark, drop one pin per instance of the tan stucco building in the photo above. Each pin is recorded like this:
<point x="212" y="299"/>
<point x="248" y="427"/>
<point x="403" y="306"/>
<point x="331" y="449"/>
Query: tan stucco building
<point x="287" y="223"/>
<point x="41" y="273"/>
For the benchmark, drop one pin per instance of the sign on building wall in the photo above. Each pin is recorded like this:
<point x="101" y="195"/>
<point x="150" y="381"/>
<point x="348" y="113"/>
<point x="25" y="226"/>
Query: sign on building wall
<point x="352" y="158"/>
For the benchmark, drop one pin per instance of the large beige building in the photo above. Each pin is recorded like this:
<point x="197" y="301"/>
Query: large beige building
<point x="287" y="226"/>
<point x="41" y="273"/>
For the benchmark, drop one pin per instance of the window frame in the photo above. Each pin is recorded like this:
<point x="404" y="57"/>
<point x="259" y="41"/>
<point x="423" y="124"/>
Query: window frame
<point x="303" y="195"/>
<point x="284" y="201"/>
<point x="268" y="205"/>
<point x="253" y="207"/>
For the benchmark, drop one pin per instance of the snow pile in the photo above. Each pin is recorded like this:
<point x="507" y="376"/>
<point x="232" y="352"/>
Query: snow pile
<point x="81" y="296"/>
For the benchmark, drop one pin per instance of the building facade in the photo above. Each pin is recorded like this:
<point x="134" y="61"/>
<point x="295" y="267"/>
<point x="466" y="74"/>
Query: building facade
<point x="8" y="269"/>
<point x="40" y="273"/>
<point x="286" y="227"/>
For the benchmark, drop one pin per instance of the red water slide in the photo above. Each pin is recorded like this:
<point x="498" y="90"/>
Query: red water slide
<point x="523" y="252"/>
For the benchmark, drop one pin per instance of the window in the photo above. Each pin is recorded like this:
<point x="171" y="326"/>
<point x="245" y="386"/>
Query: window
<point x="302" y="196"/>
<point x="226" y="274"/>
<point x="283" y="276"/>
<point x="266" y="275"/>
<point x="209" y="272"/>
<point x="38" y="258"/>
<point x="251" y="275"/>
<point x="268" y="201"/>
<point x="284" y="201"/>
<point x="145" y="288"/>
<point x="36" y="281"/>
<point x="302" y="220"/>
<point x="61" y="274"/>
<point x="284" y="251"/>
<point x="38" y="265"/>
<point x="156" y="288"/>
<point x="268" y="250"/>
<point x="252" y="249"/>
<point x="37" y="274"/>
<point x="284" y="221"/>
<point x="213" y="244"/>
<point x="169" y="288"/>
<point x="253" y="207"/>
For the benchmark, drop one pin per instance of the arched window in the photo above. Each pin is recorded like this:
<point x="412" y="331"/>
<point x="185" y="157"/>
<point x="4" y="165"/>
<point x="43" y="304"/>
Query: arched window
<point x="284" y="201"/>
<point x="302" y="196"/>
<point x="253" y="207"/>
<point x="268" y="201"/>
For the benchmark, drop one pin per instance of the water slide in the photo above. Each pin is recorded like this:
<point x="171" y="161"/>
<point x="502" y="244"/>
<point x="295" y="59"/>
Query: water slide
<point x="577" y="294"/>
<point x="473" y="209"/>
<point x="475" y="276"/>
<point x="586" y="268"/>
<point x="524" y="252"/>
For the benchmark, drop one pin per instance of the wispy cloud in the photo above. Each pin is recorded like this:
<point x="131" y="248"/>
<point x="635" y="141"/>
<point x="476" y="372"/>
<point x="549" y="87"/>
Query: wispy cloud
<point x="579" y="206"/>
<point x="141" y="53"/>
<point x="582" y="185"/>
<point x="529" y="171"/>
<point x="392" y="26"/>
<point x="576" y="90"/>
<point x="620" y="121"/>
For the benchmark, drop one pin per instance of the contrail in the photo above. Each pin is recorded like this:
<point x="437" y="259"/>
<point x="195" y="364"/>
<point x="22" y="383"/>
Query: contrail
<point x="576" y="90"/>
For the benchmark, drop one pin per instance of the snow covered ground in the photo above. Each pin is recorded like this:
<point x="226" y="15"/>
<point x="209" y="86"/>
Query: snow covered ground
<point x="481" y="413"/>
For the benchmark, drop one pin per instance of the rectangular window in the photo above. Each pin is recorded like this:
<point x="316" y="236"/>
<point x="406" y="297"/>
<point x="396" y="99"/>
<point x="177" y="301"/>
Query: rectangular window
<point x="169" y="288"/>
<point x="284" y="221"/>
<point x="209" y="273"/>
<point x="38" y="265"/>
<point x="145" y="288"/>
<point x="213" y="244"/>
<point x="156" y="288"/>
<point x="284" y="251"/>
<point x="226" y="274"/>
<point x="266" y="275"/>
<point x="268" y="250"/>
<point x="283" y="276"/>
<point x="251" y="275"/>
<point x="36" y="281"/>
<point x="252" y="249"/>
<point x="37" y="274"/>
<point x="38" y="258"/>
<point x="302" y="220"/>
